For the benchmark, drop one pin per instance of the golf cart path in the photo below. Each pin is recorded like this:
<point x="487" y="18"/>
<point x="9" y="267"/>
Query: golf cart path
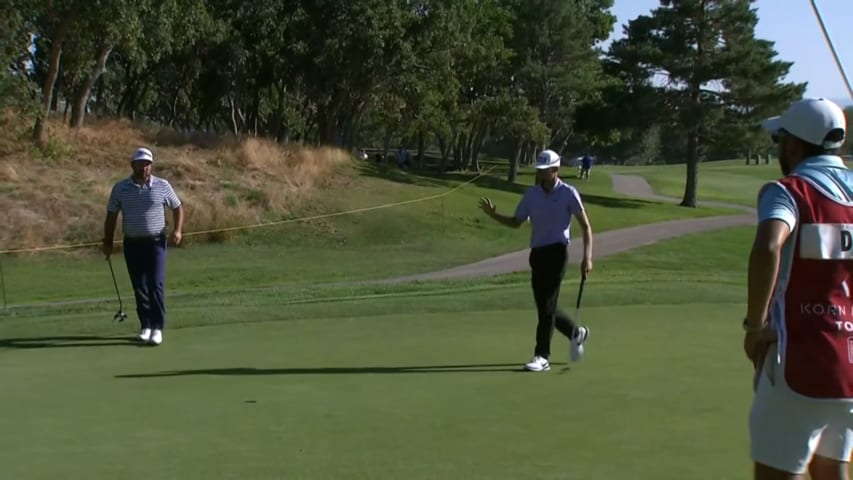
<point x="605" y="243"/>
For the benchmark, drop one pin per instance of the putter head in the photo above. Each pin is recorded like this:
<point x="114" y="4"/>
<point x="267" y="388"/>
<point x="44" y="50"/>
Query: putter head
<point x="120" y="316"/>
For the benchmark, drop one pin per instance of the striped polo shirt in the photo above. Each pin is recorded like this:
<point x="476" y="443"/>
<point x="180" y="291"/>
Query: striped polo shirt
<point x="550" y="213"/>
<point x="143" y="206"/>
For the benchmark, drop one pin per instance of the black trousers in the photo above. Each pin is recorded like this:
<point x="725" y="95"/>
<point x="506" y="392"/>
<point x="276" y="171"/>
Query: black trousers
<point x="548" y="267"/>
<point x="146" y="265"/>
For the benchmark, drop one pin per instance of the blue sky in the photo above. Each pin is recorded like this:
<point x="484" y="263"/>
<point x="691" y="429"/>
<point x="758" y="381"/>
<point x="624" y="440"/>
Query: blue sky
<point x="792" y="25"/>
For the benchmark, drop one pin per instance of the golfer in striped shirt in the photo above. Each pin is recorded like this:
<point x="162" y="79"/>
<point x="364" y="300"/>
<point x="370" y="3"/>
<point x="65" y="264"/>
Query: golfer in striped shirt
<point x="142" y="199"/>
<point x="550" y="206"/>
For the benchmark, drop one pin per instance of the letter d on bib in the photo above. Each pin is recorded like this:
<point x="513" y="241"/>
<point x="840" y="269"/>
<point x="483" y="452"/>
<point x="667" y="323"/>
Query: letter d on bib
<point x="827" y="241"/>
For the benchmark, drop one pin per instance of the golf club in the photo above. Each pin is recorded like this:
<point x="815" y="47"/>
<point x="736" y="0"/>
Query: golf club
<point x="577" y="317"/>
<point x="120" y="315"/>
<point x="580" y="295"/>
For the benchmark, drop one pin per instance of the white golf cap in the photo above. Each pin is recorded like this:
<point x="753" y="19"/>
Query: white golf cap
<point x="143" y="154"/>
<point x="810" y="120"/>
<point x="547" y="159"/>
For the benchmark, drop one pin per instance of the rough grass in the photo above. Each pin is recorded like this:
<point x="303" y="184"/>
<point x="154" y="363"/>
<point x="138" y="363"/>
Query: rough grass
<point x="58" y="195"/>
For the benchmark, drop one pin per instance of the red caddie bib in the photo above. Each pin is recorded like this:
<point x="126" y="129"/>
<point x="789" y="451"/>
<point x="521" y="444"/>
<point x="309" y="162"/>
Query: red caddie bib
<point x="816" y="337"/>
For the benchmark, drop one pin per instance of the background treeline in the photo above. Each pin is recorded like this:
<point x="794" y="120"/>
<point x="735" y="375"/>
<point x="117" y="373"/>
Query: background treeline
<point x="460" y="78"/>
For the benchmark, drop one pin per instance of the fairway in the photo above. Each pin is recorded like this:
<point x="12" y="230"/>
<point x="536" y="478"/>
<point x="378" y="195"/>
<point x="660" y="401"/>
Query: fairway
<point x="725" y="181"/>
<point x="397" y="396"/>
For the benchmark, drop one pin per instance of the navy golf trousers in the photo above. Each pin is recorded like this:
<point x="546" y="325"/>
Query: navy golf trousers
<point x="548" y="267"/>
<point x="146" y="264"/>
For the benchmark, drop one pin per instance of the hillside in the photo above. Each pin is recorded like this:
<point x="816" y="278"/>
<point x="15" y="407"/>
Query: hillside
<point x="59" y="196"/>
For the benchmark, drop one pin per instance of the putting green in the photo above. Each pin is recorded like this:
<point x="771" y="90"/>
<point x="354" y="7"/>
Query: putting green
<point x="663" y="393"/>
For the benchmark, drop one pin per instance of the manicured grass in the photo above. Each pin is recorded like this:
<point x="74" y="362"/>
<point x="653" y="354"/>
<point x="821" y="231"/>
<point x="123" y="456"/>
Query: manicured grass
<point x="397" y="381"/>
<point x="727" y="181"/>
<point x="418" y="396"/>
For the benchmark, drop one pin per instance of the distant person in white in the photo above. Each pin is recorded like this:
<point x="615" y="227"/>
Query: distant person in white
<point x="142" y="199"/>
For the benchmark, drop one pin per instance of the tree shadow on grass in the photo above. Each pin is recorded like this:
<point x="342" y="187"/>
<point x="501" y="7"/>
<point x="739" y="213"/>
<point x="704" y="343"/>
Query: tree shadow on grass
<point x="244" y="371"/>
<point x="616" y="202"/>
<point x="433" y="178"/>
<point x="66" y="342"/>
<point x="391" y="173"/>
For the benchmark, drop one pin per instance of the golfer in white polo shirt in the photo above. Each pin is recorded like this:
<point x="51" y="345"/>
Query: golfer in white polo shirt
<point x="550" y="205"/>
<point x="799" y="320"/>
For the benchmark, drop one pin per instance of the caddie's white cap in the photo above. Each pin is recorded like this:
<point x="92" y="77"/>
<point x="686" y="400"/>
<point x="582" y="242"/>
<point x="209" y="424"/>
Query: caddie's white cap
<point x="143" y="154"/>
<point x="547" y="159"/>
<point x="810" y="120"/>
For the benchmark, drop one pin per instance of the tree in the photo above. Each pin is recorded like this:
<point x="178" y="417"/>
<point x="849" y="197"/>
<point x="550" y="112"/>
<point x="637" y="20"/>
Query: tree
<point x="710" y="69"/>
<point x="556" y="65"/>
<point x="15" y="37"/>
<point x="54" y="22"/>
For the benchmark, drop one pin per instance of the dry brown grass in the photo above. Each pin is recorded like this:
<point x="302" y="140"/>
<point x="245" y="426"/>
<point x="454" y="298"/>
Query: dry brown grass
<point x="59" y="196"/>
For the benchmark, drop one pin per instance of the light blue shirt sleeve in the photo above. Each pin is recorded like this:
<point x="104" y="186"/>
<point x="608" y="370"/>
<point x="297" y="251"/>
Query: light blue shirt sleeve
<point x="774" y="202"/>
<point x="522" y="211"/>
<point x="575" y="202"/>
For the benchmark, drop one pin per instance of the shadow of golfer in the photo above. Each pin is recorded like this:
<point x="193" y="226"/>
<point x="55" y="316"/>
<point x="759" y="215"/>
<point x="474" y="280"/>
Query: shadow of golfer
<point x="68" y="341"/>
<point x="237" y="371"/>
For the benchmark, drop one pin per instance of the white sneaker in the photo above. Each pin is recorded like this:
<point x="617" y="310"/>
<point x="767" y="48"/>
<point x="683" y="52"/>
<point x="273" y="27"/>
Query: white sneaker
<point x="538" y="364"/>
<point x="581" y="335"/>
<point x="144" y="335"/>
<point x="156" y="337"/>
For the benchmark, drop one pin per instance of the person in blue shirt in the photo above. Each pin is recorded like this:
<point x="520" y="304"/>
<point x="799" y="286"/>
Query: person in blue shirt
<point x="550" y="206"/>
<point x="586" y="166"/>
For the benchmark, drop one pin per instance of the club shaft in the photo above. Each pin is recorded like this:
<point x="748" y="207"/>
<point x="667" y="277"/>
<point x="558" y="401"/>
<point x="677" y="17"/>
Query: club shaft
<point x="115" y="284"/>
<point x="580" y="294"/>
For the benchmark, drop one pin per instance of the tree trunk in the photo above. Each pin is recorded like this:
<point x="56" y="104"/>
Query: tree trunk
<point x="513" y="162"/>
<point x="478" y="145"/>
<point x="81" y="96"/>
<point x="445" y="153"/>
<point x="235" y="129"/>
<point x="173" y="108"/>
<point x="694" y="119"/>
<point x="40" y="133"/>
<point x="529" y="153"/>
<point x="690" y="184"/>
<point x="421" y="143"/>
<point x="458" y="152"/>
<point x="100" y="101"/>
<point x="386" y="145"/>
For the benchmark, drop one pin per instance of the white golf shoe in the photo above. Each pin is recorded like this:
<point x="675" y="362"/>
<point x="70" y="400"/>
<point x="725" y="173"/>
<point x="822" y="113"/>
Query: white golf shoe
<point x="538" y="364"/>
<point x="581" y="334"/>
<point x="144" y="335"/>
<point x="156" y="337"/>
